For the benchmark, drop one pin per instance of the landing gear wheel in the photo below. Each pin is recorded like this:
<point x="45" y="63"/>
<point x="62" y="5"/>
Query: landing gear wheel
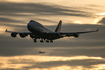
<point x="35" y="41"/>
<point x="41" y="41"/>
<point x="47" y="41"/>
<point x="51" y="41"/>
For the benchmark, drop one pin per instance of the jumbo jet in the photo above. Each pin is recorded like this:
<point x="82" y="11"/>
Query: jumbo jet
<point x="38" y="31"/>
<point x="42" y="52"/>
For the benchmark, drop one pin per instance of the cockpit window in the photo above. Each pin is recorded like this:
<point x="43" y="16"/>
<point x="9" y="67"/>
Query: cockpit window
<point x="32" y="21"/>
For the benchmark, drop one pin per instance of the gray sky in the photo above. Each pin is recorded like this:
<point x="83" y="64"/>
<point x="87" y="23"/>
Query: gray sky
<point x="85" y="52"/>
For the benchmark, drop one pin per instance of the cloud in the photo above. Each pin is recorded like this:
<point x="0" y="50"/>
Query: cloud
<point x="102" y="21"/>
<point x="84" y="63"/>
<point x="15" y="14"/>
<point x="50" y="62"/>
<point x="3" y="20"/>
<point x="41" y="9"/>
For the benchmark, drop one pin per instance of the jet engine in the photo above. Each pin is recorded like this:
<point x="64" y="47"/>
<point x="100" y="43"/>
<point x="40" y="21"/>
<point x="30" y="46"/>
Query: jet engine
<point x="13" y="34"/>
<point x="22" y="35"/>
<point x="76" y="35"/>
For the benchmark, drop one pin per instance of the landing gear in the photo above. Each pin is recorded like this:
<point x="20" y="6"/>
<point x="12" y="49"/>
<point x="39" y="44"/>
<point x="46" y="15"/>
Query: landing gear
<point x="47" y="41"/>
<point x="35" y="41"/>
<point x="41" y="41"/>
<point x="51" y="41"/>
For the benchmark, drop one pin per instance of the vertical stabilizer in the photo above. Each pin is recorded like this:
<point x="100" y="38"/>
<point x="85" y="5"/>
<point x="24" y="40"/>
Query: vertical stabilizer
<point x="58" y="29"/>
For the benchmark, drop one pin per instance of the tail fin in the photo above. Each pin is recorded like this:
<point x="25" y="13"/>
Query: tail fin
<point x="58" y="29"/>
<point x="6" y="30"/>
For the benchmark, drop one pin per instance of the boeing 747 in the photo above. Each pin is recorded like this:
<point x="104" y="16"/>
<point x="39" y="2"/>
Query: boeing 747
<point x="38" y="31"/>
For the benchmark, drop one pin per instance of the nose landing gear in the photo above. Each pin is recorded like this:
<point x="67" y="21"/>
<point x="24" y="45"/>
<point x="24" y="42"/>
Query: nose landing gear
<point x="35" y="41"/>
<point x="41" y="41"/>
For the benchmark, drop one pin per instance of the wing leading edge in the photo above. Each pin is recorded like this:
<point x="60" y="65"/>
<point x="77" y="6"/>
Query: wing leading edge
<point x="22" y="34"/>
<point x="76" y="34"/>
<point x="17" y="32"/>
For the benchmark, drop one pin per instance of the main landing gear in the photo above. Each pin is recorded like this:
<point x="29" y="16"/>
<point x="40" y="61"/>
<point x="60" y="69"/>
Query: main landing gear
<point x="42" y="41"/>
<point x="35" y="41"/>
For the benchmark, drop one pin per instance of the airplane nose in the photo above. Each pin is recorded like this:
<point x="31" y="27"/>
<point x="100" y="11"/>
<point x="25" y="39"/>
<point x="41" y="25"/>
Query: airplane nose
<point x="29" y="26"/>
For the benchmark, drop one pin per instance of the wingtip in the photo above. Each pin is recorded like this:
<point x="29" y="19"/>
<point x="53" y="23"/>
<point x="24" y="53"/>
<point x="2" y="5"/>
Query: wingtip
<point x="6" y="30"/>
<point x="97" y="30"/>
<point x="60" y="20"/>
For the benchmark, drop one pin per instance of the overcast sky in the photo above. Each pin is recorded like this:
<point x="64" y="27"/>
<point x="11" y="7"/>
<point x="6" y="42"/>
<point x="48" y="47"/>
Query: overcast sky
<point x="84" y="53"/>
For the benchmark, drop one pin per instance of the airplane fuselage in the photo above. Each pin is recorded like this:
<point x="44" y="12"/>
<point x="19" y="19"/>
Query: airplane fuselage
<point x="39" y="30"/>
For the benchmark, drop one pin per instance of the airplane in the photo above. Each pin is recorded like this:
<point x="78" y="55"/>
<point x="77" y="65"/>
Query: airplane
<point x="38" y="31"/>
<point x="42" y="52"/>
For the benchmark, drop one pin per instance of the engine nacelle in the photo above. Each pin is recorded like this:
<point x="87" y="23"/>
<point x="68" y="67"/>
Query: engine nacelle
<point x="22" y="35"/>
<point x="13" y="34"/>
<point x="76" y="35"/>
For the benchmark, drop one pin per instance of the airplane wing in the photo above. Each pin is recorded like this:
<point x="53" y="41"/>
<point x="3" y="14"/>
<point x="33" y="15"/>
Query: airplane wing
<point x="17" y="32"/>
<point x="88" y="31"/>
<point x="75" y="34"/>
<point x="22" y="34"/>
<point x="50" y="35"/>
